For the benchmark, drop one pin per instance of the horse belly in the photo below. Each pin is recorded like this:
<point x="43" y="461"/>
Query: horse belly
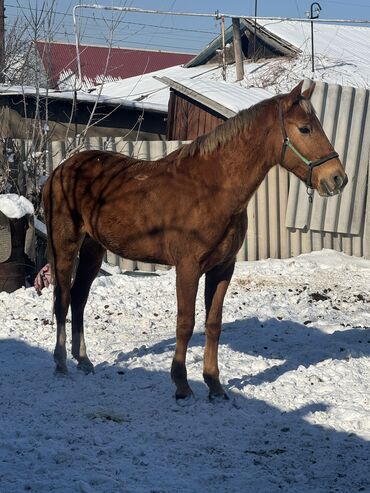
<point x="130" y="240"/>
<point x="230" y="243"/>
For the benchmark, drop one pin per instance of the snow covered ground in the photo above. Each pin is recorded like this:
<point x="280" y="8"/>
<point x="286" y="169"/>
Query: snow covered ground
<point x="294" y="357"/>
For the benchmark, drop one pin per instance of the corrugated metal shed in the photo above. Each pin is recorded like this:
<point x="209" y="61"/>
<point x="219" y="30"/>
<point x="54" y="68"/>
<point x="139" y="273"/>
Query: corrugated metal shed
<point x="97" y="62"/>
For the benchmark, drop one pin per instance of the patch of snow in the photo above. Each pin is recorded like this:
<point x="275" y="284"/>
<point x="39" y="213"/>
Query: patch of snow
<point x="15" y="206"/>
<point x="294" y="358"/>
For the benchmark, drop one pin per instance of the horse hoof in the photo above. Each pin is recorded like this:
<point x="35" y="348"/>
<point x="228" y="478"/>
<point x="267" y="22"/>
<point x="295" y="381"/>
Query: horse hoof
<point x="185" y="401"/>
<point x="86" y="366"/>
<point x="218" y="397"/>
<point x="61" y="369"/>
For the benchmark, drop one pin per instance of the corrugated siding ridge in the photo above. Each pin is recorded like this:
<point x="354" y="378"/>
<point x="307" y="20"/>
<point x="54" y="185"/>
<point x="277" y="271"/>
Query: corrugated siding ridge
<point x="345" y="115"/>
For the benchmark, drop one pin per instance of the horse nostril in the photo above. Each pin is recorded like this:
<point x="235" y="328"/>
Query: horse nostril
<point x="338" y="180"/>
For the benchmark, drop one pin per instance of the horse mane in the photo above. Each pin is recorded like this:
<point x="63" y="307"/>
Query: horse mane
<point x="306" y="105"/>
<point x="241" y="122"/>
<point x="219" y="136"/>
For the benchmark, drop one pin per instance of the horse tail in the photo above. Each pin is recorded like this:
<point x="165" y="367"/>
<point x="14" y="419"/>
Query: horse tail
<point x="48" y="206"/>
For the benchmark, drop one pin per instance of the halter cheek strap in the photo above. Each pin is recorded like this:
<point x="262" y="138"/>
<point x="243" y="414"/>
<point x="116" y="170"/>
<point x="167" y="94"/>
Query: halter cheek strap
<point x="310" y="164"/>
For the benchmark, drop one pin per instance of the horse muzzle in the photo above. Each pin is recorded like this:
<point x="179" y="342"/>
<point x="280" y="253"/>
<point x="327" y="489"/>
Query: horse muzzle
<point x="333" y="186"/>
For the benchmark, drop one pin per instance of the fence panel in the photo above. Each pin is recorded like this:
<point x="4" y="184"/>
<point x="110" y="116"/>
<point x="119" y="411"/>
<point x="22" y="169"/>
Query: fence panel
<point x="280" y="222"/>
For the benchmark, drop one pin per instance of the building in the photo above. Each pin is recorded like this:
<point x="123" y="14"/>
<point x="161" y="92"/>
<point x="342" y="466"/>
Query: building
<point x="100" y="63"/>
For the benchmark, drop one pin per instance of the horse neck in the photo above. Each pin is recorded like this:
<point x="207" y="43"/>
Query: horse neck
<point x="243" y="162"/>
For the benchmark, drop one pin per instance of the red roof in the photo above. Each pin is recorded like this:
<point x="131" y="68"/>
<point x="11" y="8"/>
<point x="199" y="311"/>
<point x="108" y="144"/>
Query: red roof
<point x="59" y="60"/>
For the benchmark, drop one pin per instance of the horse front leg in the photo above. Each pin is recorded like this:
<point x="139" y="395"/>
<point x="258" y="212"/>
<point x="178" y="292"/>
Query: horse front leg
<point x="90" y="260"/>
<point x="187" y="280"/>
<point x="217" y="282"/>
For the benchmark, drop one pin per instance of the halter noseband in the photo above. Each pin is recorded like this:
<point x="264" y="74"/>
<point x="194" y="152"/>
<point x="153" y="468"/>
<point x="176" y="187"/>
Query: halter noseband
<point x="310" y="164"/>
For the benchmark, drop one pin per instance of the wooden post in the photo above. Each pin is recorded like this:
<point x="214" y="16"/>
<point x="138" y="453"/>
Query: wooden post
<point x="223" y="48"/>
<point x="2" y="41"/>
<point x="238" y="53"/>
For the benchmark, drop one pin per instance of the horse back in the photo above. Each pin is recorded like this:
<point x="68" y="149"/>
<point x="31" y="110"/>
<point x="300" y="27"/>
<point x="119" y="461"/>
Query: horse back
<point x="142" y="210"/>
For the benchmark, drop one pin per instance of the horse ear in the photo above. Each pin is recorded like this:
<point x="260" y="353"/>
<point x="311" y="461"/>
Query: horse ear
<point x="293" y="96"/>
<point x="308" y="92"/>
<point x="296" y="92"/>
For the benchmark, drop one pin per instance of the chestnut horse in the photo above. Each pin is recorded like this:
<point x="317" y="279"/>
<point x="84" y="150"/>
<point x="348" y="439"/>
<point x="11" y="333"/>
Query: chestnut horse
<point x="187" y="210"/>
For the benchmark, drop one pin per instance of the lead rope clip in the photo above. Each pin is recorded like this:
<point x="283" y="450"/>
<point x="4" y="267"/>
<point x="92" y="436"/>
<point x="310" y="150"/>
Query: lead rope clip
<point x="310" y="192"/>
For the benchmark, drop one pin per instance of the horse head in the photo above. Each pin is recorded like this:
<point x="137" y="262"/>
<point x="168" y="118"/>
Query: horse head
<point x="305" y="149"/>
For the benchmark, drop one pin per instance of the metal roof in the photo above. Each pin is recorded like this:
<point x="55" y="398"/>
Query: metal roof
<point x="341" y="47"/>
<point x="59" y="60"/>
<point x="274" y="41"/>
<point x="341" y="53"/>
<point x="6" y="90"/>
<point x="226" y="99"/>
<point x="148" y="88"/>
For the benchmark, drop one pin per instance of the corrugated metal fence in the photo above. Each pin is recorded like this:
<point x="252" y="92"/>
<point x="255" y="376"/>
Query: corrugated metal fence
<point x="148" y="150"/>
<point x="281" y="222"/>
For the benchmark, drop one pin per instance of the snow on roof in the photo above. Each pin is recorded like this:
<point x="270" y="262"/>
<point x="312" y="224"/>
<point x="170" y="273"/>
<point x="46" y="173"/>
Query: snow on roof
<point x="82" y="96"/>
<point x="148" y="88"/>
<point x="15" y="206"/>
<point x="219" y="95"/>
<point x="341" y="57"/>
<point x="341" y="51"/>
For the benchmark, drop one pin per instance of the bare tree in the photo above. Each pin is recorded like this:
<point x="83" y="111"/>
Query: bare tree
<point x="22" y="165"/>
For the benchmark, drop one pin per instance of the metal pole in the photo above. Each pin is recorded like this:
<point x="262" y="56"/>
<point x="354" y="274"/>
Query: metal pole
<point x="312" y="15"/>
<point x="214" y="15"/>
<point x="312" y="51"/>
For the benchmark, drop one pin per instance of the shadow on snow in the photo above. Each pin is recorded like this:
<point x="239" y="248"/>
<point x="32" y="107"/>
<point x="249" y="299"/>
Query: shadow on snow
<point x="121" y="430"/>
<point x="293" y="343"/>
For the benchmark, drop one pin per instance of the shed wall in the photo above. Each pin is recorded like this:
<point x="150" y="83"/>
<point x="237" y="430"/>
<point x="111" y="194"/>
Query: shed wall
<point x="188" y="119"/>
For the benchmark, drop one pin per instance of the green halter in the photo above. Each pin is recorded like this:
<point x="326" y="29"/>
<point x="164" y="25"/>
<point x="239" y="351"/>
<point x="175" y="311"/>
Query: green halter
<point x="310" y="164"/>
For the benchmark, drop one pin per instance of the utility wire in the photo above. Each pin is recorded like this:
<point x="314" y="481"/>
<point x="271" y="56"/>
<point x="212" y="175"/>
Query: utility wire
<point x="129" y="22"/>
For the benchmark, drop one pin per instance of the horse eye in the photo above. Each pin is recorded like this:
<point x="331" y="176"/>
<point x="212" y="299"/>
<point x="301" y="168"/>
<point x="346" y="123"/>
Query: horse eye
<point x="304" y="130"/>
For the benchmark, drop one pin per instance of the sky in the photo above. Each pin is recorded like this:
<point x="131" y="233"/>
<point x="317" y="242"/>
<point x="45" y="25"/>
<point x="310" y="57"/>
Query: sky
<point x="172" y="33"/>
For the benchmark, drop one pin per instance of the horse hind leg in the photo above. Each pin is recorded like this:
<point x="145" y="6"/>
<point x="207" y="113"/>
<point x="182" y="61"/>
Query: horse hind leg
<point x="65" y="236"/>
<point x="90" y="260"/>
<point x="64" y="256"/>
<point x="217" y="282"/>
